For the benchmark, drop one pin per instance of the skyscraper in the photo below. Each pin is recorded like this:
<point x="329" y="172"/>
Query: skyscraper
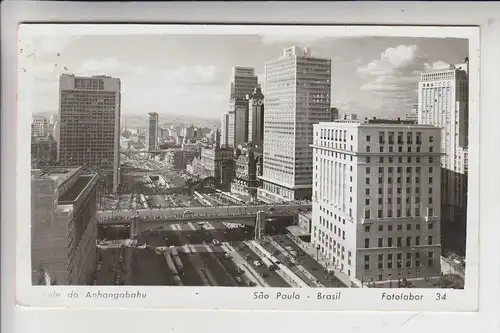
<point x="256" y="117"/>
<point x="443" y="101"/>
<point x="297" y="96"/>
<point x="239" y="121"/>
<point x="152" y="132"/>
<point x="224" y="141"/>
<point x="89" y="128"/>
<point x="376" y="207"/>
<point x="243" y="82"/>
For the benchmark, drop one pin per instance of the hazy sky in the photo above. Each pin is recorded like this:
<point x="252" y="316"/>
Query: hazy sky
<point x="189" y="74"/>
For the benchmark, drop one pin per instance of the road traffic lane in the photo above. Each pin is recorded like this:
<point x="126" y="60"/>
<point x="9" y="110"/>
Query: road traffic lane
<point x="271" y="277"/>
<point x="310" y="264"/>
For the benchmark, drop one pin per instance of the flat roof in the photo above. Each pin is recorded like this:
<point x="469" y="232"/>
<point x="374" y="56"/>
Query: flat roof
<point x="74" y="191"/>
<point x="297" y="231"/>
<point x="59" y="174"/>
<point x="377" y="124"/>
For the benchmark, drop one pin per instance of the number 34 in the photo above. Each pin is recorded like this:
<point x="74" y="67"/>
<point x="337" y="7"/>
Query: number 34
<point x="440" y="297"/>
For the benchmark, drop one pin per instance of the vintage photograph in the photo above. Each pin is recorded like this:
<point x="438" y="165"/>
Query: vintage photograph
<point x="250" y="160"/>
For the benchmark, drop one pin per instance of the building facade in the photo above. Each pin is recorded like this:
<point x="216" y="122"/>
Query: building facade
<point x="224" y="130"/>
<point x="44" y="149"/>
<point x="334" y="114"/>
<point x="179" y="158"/>
<point x="218" y="163"/>
<point x="376" y="201"/>
<point x="297" y="96"/>
<point x="89" y="128"/>
<point x="152" y="132"/>
<point x="245" y="174"/>
<point x="240" y="121"/>
<point x="63" y="226"/>
<point x="256" y="117"/>
<point x="443" y="101"/>
<point x="413" y="114"/>
<point x="243" y="82"/>
<point x="40" y="126"/>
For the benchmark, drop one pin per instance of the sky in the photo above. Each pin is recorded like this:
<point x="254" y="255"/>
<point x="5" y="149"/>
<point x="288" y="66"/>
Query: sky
<point x="190" y="74"/>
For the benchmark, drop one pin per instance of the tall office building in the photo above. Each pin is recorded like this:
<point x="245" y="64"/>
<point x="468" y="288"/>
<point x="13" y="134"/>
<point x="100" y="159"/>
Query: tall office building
<point x="297" y="96"/>
<point x="376" y="201"/>
<point x="256" y="117"/>
<point x="89" y="123"/>
<point x="152" y="132"/>
<point x="243" y="82"/>
<point x="443" y="101"/>
<point x="238" y="133"/>
<point x="224" y="141"/>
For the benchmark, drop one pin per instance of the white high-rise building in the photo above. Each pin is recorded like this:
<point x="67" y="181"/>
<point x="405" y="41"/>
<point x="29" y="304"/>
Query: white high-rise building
<point x="443" y="101"/>
<point x="376" y="199"/>
<point x="297" y="96"/>
<point x="152" y="132"/>
<point x="89" y="123"/>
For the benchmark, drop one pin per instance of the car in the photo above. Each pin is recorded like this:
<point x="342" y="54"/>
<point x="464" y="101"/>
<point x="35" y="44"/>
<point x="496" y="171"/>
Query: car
<point x="238" y="279"/>
<point x="257" y="263"/>
<point x="216" y="242"/>
<point x="251" y="284"/>
<point x="248" y="257"/>
<point x="239" y="271"/>
<point x="227" y="255"/>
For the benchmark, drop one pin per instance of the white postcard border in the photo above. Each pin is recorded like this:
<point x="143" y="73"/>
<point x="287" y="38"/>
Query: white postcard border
<point x="241" y="298"/>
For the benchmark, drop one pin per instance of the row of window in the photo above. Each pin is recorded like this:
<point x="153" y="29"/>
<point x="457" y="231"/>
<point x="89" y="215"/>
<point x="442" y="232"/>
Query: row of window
<point x="399" y="242"/>
<point x="400" y="263"/>
<point x="390" y="213"/>
<point x="399" y="227"/>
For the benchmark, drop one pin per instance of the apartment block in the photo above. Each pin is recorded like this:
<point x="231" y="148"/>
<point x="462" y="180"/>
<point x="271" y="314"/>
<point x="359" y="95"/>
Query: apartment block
<point x="376" y="200"/>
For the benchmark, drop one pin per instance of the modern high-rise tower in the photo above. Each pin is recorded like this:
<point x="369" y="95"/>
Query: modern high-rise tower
<point x="243" y="82"/>
<point x="89" y="129"/>
<point x="224" y="130"/>
<point x="152" y="132"/>
<point x="297" y="96"/>
<point x="443" y="101"/>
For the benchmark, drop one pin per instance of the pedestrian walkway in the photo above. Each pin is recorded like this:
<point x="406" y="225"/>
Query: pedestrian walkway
<point x="311" y="250"/>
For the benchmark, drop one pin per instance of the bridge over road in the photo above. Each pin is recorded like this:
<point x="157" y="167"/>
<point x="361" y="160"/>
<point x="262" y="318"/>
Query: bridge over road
<point x="144" y="219"/>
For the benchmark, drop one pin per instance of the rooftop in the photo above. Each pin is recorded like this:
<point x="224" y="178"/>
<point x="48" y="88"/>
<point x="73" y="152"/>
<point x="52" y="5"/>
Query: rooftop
<point x="377" y="122"/>
<point x="59" y="174"/>
<point x="76" y="189"/>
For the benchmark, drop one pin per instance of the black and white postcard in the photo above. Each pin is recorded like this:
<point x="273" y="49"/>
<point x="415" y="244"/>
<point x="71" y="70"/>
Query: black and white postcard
<point x="248" y="167"/>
